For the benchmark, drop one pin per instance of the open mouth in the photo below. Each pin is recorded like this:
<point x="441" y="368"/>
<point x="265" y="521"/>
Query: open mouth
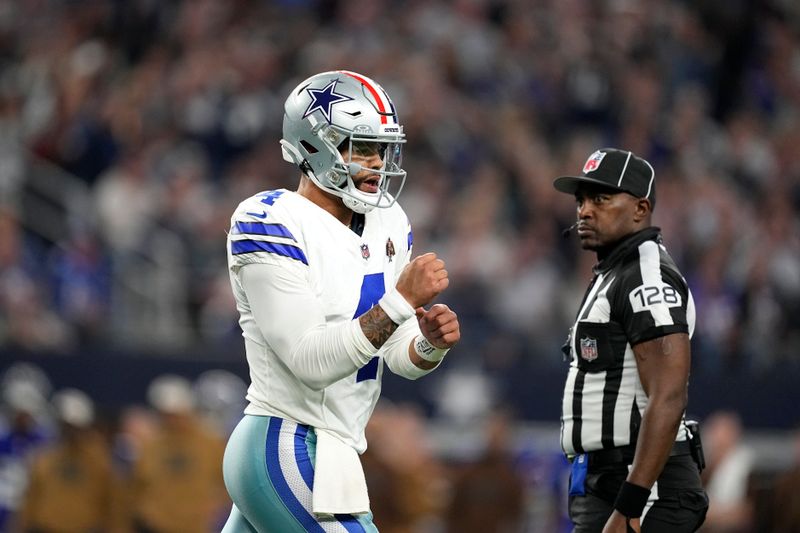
<point x="370" y="184"/>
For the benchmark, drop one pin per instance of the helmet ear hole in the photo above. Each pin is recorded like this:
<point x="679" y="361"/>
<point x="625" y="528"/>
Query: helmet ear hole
<point x="309" y="147"/>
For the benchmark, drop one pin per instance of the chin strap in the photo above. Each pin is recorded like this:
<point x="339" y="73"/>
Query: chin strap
<point x="355" y="205"/>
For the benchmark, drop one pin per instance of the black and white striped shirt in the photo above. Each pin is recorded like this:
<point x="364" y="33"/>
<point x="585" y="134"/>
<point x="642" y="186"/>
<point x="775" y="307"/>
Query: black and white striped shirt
<point x="637" y="294"/>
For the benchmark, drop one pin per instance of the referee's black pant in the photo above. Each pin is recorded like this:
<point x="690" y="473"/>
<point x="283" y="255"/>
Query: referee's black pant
<point x="680" y="508"/>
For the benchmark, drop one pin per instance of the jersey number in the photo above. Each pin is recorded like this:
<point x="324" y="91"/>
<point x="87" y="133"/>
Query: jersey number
<point x="270" y="197"/>
<point x="647" y="296"/>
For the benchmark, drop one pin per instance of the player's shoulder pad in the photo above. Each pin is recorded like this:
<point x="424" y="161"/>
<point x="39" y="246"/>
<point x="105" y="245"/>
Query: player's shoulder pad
<point x="263" y="228"/>
<point x="263" y="205"/>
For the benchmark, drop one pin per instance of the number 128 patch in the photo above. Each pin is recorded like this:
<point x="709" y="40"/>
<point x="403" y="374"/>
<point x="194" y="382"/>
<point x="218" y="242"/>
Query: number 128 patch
<point x="646" y="297"/>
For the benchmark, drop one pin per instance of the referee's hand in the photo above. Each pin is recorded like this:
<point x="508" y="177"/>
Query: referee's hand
<point x="619" y="523"/>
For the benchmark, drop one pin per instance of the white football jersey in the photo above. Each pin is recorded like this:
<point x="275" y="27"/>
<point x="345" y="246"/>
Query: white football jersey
<point x="323" y="275"/>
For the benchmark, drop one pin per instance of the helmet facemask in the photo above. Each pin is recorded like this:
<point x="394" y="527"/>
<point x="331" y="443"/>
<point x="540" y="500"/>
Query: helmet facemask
<point x="357" y="152"/>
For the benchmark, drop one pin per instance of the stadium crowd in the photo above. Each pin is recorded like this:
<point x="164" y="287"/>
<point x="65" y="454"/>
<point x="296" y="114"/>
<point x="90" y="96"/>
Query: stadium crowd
<point x="169" y="113"/>
<point x="130" y="130"/>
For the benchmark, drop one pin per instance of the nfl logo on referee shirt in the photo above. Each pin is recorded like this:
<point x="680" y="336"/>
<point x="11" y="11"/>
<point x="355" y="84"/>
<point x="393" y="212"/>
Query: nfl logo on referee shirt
<point x="593" y="162"/>
<point x="589" y="349"/>
<point x="365" y="251"/>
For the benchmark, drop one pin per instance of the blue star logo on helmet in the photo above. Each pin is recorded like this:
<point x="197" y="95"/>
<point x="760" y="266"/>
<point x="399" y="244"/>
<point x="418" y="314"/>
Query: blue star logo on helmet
<point x="324" y="99"/>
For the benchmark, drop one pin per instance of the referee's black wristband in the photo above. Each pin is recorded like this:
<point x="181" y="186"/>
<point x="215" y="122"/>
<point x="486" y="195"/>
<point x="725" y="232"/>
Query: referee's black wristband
<point x="631" y="500"/>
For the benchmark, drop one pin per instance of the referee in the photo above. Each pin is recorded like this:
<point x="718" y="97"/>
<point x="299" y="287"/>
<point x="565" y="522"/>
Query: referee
<point x="635" y="461"/>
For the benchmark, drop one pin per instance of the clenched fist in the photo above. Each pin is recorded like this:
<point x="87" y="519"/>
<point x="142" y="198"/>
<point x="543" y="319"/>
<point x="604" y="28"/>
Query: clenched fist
<point x="422" y="280"/>
<point x="439" y="325"/>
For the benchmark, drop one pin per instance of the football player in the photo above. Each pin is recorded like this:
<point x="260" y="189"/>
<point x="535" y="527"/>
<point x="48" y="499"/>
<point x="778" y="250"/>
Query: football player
<point x="329" y="296"/>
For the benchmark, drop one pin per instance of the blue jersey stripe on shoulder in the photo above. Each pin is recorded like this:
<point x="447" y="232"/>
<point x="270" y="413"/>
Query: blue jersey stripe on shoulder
<point x="262" y="228"/>
<point x="286" y="250"/>
<point x="410" y="239"/>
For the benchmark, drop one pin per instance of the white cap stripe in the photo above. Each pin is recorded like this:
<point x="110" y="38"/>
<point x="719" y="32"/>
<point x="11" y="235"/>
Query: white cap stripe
<point x="622" y="174"/>
<point x="652" y="176"/>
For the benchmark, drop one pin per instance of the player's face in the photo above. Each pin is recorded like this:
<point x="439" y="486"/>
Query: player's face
<point x="370" y="156"/>
<point x="604" y="216"/>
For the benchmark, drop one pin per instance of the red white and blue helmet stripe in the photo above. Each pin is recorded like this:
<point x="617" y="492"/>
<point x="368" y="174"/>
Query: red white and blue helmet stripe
<point x="385" y="106"/>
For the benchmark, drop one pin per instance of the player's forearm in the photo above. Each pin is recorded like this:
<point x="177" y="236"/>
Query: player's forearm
<point x="400" y="361"/>
<point x="325" y="355"/>
<point x="400" y="355"/>
<point x="292" y="322"/>
<point x="377" y="326"/>
<point x="418" y="361"/>
<point x="380" y="322"/>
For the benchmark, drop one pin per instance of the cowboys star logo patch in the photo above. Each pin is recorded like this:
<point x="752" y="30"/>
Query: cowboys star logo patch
<point x="588" y="349"/>
<point x="324" y="99"/>
<point x="593" y="162"/>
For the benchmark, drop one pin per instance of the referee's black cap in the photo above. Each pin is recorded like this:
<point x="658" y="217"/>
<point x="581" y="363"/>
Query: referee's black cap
<point x="616" y="169"/>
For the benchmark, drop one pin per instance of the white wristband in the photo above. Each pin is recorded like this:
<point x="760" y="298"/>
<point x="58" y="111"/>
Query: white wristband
<point x="396" y="307"/>
<point x="428" y="351"/>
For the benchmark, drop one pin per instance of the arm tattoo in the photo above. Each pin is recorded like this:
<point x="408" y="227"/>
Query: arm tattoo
<point x="377" y="326"/>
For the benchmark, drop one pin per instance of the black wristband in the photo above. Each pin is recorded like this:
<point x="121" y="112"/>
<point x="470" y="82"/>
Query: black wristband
<point x="631" y="500"/>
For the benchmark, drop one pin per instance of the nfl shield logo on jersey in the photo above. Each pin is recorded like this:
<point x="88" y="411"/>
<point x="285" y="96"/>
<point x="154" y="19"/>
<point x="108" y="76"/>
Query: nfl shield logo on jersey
<point x="593" y="162"/>
<point x="589" y="349"/>
<point x="365" y="251"/>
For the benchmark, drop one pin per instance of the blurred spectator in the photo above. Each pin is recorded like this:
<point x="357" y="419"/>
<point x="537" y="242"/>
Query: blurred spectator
<point x="26" y="320"/>
<point x="71" y="486"/>
<point x="488" y="494"/>
<point x="135" y="426"/>
<point x="406" y="482"/>
<point x="729" y="463"/>
<point x="785" y="495"/>
<point x="81" y="273"/>
<point x="25" y="406"/>
<point x="127" y="199"/>
<point x="176" y="485"/>
<point x="220" y="400"/>
<point x="216" y="320"/>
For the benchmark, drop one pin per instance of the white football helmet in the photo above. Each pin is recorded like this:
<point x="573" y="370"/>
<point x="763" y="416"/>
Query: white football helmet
<point x="336" y="111"/>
